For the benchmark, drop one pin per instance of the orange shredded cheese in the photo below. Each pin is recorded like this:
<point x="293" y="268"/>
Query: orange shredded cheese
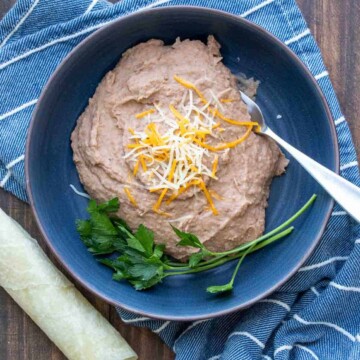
<point x="214" y="166"/>
<point x="155" y="189"/>
<point x="163" y="213"/>
<point x="183" y="189"/>
<point x="212" y="110"/>
<point x="156" y="207"/>
<point x="143" y="162"/>
<point x="191" y="86"/>
<point x="226" y="145"/>
<point x="145" y="113"/>
<point x="182" y="120"/>
<point x="134" y="146"/>
<point x="130" y="197"/>
<point x="227" y="100"/>
<point x="153" y="135"/>
<point x="235" y="122"/>
<point x="136" y="167"/>
<point x="172" y="170"/>
<point x="208" y="197"/>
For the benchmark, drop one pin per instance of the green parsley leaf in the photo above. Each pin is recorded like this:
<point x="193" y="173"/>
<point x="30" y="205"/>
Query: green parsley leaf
<point x="84" y="228"/>
<point x="187" y="239"/>
<point x="195" y="259"/>
<point x="146" y="238"/>
<point x="110" y="206"/>
<point x="142" y="285"/>
<point x="145" y="271"/>
<point x="159" y="251"/>
<point x="134" y="243"/>
<point x="119" y="275"/>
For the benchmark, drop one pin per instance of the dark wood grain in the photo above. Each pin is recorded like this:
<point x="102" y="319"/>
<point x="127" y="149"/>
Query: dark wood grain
<point x="335" y="26"/>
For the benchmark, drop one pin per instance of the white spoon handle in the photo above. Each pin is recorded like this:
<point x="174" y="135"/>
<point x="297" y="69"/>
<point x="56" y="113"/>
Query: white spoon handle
<point x="346" y="194"/>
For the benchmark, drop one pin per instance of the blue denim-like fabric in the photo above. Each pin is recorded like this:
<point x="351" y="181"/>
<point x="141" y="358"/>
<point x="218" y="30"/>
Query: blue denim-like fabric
<point x="315" y="315"/>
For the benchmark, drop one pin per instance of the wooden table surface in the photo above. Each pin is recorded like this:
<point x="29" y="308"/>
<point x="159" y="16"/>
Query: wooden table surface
<point x="335" y="24"/>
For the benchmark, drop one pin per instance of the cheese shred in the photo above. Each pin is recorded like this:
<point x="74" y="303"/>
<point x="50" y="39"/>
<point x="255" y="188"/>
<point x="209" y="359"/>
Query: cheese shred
<point x="214" y="166"/>
<point x="145" y="113"/>
<point x="130" y="197"/>
<point x="173" y="160"/>
<point x="208" y="197"/>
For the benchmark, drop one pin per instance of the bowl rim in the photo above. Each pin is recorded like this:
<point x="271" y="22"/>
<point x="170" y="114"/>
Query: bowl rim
<point x="185" y="8"/>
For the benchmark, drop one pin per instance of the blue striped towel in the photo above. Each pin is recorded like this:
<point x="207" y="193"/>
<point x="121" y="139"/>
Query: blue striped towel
<point x="316" y="314"/>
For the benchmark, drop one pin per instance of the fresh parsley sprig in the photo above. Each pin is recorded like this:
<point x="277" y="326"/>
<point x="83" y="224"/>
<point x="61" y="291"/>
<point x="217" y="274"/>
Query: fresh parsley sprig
<point x="136" y="258"/>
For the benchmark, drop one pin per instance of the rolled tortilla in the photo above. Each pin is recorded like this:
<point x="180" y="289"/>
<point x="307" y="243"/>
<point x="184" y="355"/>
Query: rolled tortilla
<point x="52" y="301"/>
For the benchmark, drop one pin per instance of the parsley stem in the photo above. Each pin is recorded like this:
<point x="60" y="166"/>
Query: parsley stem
<point x="225" y="259"/>
<point x="269" y="234"/>
<point x="242" y="257"/>
<point x="175" y="264"/>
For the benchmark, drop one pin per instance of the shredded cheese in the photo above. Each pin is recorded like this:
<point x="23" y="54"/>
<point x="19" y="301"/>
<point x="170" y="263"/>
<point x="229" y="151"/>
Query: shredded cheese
<point x="136" y="167"/>
<point x="130" y="197"/>
<point x="183" y="189"/>
<point x="214" y="166"/>
<point x="143" y="162"/>
<point x="224" y="101"/>
<point x="156" y="207"/>
<point x="191" y="87"/>
<point x="145" y="113"/>
<point x="174" y="159"/>
<point x="226" y="145"/>
<point x="208" y="197"/>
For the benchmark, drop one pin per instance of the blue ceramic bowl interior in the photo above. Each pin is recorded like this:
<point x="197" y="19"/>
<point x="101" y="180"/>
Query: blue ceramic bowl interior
<point x="286" y="89"/>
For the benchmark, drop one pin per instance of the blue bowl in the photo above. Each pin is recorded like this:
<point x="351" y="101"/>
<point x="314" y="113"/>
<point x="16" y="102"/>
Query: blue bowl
<point x="287" y="88"/>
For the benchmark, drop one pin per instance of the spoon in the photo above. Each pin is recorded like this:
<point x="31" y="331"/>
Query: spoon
<point x="346" y="194"/>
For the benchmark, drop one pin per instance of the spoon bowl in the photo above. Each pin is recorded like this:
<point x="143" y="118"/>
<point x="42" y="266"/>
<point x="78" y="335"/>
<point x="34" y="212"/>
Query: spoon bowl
<point x="344" y="192"/>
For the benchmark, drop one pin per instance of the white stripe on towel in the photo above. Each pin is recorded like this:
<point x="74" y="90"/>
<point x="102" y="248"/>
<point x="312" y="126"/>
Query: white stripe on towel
<point x="5" y="179"/>
<point x="156" y="3"/>
<point x="162" y="327"/>
<point x="216" y="357"/>
<point x="339" y="120"/>
<point x="277" y="302"/>
<point x="266" y="357"/>
<point x="53" y="42"/>
<point x="339" y="213"/>
<point x="256" y="8"/>
<point x="328" y="324"/>
<point x="282" y="348"/>
<point x="314" y="291"/>
<point x="308" y="350"/>
<point x="15" y="161"/>
<point x="91" y="6"/>
<point x="323" y="263"/>
<point x="129" y="321"/>
<point x="19" y="108"/>
<point x="290" y="347"/>
<point x="32" y="7"/>
<point x="345" y="288"/>
<point x="297" y="37"/>
<point x="349" y="165"/>
<point x="321" y="75"/>
<point x="248" y="335"/>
